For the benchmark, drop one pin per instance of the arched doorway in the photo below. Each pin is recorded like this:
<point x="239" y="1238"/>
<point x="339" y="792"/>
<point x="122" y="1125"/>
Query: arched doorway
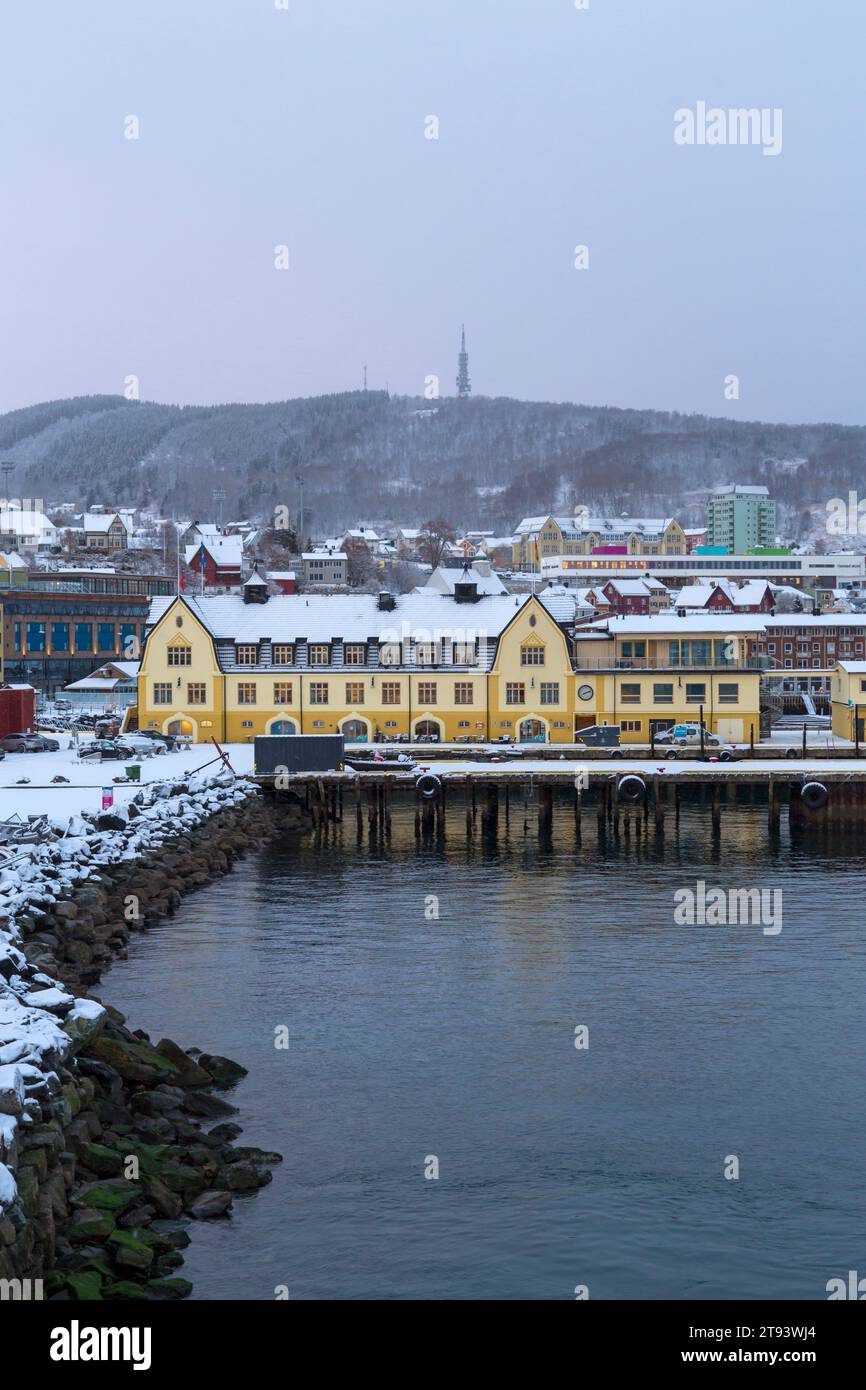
<point x="282" y="726"/>
<point x="428" y="729"/>
<point x="355" y="730"/>
<point x="532" y="731"/>
<point x="182" y="727"/>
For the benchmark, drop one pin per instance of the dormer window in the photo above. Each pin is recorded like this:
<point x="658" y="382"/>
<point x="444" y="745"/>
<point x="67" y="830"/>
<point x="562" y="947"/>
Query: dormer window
<point x="389" y="654"/>
<point x="354" y="653"/>
<point x="246" y="653"/>
<point x="282" y="654"/>
<point x="319" y="654"/>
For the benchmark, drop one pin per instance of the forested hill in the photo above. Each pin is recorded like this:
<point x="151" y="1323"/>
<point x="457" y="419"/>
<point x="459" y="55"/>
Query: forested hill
<point x="367" y="456"/>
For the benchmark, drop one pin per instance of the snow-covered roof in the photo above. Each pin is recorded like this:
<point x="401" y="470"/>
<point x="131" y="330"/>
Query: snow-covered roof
<point x="282" y="574"/>
<point x="660" y="624"/>
<point x="444" y="578"/>
<point x="854" y="668"/>
<point x="26" y="523"/>
<point x="223" y="550"/>
<point x="103" y="521"/>
<point x="353" y="617"/>
<point x="629" y="588"/>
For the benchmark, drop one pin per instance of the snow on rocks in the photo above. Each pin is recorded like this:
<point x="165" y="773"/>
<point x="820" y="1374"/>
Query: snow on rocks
<point x="42" y="1022"/>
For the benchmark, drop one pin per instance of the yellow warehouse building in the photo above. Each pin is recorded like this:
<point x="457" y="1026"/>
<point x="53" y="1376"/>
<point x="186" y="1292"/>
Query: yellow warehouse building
<point x="459" y="666"/>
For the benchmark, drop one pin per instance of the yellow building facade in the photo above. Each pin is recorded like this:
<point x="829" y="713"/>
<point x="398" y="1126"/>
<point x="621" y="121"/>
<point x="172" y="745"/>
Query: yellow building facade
<point x="848" y="700"/>
<point x="209" y="671"/>
<point x="540" y="538"/>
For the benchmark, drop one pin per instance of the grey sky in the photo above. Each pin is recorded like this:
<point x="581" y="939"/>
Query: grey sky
<point x="261" y="127"/>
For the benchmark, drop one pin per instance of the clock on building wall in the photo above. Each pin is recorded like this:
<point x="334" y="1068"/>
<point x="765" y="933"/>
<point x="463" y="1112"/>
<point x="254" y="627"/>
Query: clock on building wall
<point x="585" y="692"/>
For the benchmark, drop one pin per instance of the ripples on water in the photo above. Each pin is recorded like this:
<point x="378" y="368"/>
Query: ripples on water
<point x="455" y="1038"/>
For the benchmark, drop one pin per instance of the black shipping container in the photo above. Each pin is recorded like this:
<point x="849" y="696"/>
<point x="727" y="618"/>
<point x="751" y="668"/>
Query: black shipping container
<point x="298" y="753"/>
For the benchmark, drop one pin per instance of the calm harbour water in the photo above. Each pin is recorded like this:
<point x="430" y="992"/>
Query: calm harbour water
<point x="412" y="1037"/>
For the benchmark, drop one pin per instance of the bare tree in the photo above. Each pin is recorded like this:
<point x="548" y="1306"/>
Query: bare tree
<point x="434" y="539"/>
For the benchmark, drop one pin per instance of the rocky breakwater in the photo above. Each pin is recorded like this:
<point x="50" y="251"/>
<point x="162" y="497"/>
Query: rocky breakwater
<point x="112" y="1146"/>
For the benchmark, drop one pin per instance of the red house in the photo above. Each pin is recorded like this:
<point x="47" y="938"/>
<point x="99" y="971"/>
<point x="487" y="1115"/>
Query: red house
<point x="285" y="581"/>
<point x="627" y="596"/>
<point x="219" y="559"/>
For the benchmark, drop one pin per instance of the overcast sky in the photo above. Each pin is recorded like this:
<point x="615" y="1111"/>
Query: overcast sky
<point x="304" y="126"/>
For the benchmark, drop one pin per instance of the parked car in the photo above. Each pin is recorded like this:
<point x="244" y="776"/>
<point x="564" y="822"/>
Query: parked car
<point x="143" y="747"/>
<point x="688" y="736"/>
<point x="168" y="741"/>
<point x="29" y="743"/>
<point x="105" y="750"/>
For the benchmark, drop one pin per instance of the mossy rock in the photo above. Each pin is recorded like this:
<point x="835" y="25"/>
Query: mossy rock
<point x="129" y="1252"/>
<point x="243" y="1177"/>
<point x="224" y="1071"/>
<point x="85" y="1287"/>
<point x="104" y="1162"/>
<point x="133" y="1060"/>
<point x="169" y="1288"/>
<point x="115" y="1195"/>
<point x="188" y="1182"/>
<point x="249" y="1155"/>
<point x="126" y="1291"/>
<point x="93" y="1226"/>
<point x="172" y="1259"/>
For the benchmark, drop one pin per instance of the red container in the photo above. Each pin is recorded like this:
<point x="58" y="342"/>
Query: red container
<point x="17" y="709"/>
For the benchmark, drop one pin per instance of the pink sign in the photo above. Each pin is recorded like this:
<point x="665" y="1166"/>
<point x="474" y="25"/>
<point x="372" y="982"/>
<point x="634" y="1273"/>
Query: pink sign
<point x="107" y="797"/>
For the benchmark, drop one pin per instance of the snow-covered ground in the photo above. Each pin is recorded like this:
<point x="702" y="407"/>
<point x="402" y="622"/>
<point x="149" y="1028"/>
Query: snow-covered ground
<point x="87" y="778"/>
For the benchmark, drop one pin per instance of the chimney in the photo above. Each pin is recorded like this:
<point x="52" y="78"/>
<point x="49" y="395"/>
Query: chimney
<point x="386" y="601"/>
<point x="256" y="587"/>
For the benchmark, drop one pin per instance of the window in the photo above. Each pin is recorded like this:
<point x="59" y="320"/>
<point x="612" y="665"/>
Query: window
<point x="463" y="724"/>
<point x="319" y="653"/>
<point x="515" y="693"/>
<point x="105" y="636"/>
<point x="663" y="693"/>
<point x="282" y="692"/>
<point x="390" y="723"/>
<point x="696" y="692"/>
<point x="36" y="637"/>
<point x="180" y="656"/>
<point x="464" y="653"/>
<point x="246" y="654"/>
<point x="729" y="693"/>
<point x="633" y="649"/>
<point x="319" y="693"/>
<point x="629" y="693"/>
<point x="282" y="654"/>
<point x="17" y="637"/>
<point x="60" y="637"/>
<point x="630" y="726"/>
<point x="532" y="656"/>
<point x="84" y="637"/>
<point x="246" y="692"/>
<point x="390" y="692"/>
<point x="426" y="692"/>
<point x="354" y="692"/>
<point x="463" y="693"/>
<point x="246" y="723"/>
<point x="196" y="693"/>
<point x="550" y="692"/>
<point x="389" y="654"/>
<point x="354" y="654"/>
<point x="162" y="693"/>
<point x="426" y="653"/>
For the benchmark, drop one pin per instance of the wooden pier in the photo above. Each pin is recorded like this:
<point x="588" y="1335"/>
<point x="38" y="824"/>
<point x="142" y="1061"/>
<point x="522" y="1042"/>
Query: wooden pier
<point x="621" y="800"/>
